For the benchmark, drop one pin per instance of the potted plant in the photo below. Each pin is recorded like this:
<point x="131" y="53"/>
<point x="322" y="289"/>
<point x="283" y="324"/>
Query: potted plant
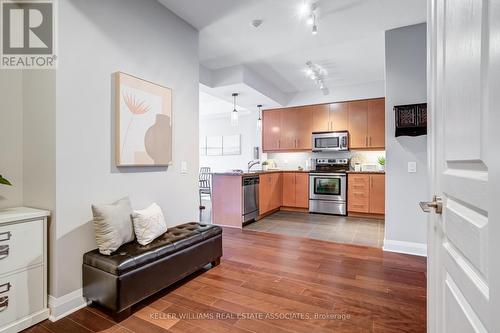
<point x="4" y="181"/>
<point x="264" y="165"/>
<point x="381" y="162"/>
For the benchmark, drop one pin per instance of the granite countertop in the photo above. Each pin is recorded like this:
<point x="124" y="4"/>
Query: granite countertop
<point x="253" y="173"/>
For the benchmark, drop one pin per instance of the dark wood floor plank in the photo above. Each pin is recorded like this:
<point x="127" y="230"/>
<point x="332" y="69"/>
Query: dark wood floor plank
<point x="261" y="274"/>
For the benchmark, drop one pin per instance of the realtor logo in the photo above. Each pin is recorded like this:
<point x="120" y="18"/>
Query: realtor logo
<point x="27" y="34"/>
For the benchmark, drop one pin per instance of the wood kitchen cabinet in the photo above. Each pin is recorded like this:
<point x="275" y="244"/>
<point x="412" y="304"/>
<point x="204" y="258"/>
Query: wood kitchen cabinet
<point x="290" y="129"/>
<point x="358" y="124"/>
<point x="287" y="129"/>
<point x="296" y="189"/>
<point x="366" y="193"/>
<point x="367" y="124"/>
<point x="270" y="192"/>
<point x="330" y="117"/>
<point x="339" y="116"/>
<point x="321" y="118"/>
<point x="376" y="123"/>
<point x="271" y="130"/>
<point x="296" y="128"/>
<point x="377" y="194"/>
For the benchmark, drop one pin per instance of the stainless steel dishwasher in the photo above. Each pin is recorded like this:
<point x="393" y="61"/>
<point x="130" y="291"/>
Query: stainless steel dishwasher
<point x="250" y="198"/>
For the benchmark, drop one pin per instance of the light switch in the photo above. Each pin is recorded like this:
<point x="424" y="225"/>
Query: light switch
<point x="412" y="167"/>
<point x="184" y="167"/>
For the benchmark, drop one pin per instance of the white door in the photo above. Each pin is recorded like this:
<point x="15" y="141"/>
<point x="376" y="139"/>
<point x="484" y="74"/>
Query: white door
<point x="464" y="46"/>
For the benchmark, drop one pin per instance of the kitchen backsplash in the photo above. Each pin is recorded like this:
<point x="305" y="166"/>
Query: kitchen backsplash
<point x="294" y="160"/>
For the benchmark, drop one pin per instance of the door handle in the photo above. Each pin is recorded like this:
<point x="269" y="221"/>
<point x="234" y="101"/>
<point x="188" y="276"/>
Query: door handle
<point x="436" y="203"/>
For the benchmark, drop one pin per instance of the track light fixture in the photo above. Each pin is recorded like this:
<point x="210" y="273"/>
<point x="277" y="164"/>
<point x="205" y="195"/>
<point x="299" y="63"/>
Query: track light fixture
<point x="309" y="11"/>
<point x="318" y="74"/>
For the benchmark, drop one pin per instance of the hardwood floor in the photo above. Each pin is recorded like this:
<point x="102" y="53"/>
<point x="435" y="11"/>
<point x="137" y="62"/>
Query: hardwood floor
<point x="278" y="283"/>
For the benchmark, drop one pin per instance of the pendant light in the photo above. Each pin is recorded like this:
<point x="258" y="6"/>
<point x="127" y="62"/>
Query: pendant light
<point x="259" y="121"/>
<point x="234" y="114"/>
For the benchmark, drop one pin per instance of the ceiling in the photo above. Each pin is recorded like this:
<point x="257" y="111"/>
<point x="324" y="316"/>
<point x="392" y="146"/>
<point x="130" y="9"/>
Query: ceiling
<point x="213" y="106"/>
<point x="349" y="45"/>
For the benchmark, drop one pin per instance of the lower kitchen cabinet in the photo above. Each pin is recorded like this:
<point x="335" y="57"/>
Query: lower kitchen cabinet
<point x="296" y="189"/>
<point x="270" y="192"/>
<point x="366" y="193"/>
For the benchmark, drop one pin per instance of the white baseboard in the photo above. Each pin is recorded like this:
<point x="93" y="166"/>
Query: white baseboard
<point x="62" y="306"/>
<point x="418" y="249"/>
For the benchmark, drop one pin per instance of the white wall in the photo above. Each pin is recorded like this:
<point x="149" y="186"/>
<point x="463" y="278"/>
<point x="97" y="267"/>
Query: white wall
<point x="39" y="171"/>
<point x="405" y="50"/>
<point x="340" y="93"/>
<point x="250" y="138"/>
<point x="11" y="137"/>
<point x="96" y="39"/>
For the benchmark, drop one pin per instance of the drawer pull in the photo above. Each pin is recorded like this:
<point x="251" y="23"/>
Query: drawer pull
<point x="4" y="251"/>
<point x="5" y="236"/>
<point x="4" y="303"/>
<point x="5" y="286"/>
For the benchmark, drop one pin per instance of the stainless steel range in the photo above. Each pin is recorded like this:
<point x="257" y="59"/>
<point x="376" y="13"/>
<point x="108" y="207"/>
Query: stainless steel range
<point x="328" y="186"/>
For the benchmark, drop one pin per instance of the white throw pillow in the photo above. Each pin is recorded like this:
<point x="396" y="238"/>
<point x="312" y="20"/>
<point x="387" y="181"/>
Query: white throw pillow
<point x="113" y="225"/>
<point x="149" y="224"/>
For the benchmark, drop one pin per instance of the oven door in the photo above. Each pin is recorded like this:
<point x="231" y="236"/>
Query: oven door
<point x="330" y="187"/>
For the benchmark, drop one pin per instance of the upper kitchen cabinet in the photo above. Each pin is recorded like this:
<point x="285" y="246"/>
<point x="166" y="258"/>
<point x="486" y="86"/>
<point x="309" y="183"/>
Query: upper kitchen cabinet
<point x="376" y="123"/>
<point x="321" y="118"/>
<point x="339" y="116"/>
<point x="304" y="128"/>
<point x="271" y="130"/>
<point x="330" y="117"/>
<point x="367" y="124"/>
<point x="287" y="129"/>
<point x="290" y="129"/>
<point x="358" y="124"/>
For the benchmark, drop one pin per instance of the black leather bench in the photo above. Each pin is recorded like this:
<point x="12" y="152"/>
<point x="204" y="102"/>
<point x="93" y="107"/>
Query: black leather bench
<point x="135" y="272"/>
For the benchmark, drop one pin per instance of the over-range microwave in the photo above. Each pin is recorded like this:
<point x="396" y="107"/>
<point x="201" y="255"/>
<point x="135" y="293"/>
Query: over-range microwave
<point x="330" y="141"/>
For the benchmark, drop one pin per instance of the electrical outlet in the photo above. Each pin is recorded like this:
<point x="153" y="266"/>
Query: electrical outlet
<point x="412" y="167"/>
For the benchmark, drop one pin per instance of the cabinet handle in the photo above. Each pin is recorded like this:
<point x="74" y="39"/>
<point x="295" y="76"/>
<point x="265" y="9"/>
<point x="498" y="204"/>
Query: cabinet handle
<point x="4" y="303"/>
<point x="370" y="141"/>
<point x="279" y="143"/>
<point x="366" y="141"/>
<point x="4" y="251"/>
<point x="5" y="236"/>
<point x="371" y="182"/>
<point x="5" y="287"/>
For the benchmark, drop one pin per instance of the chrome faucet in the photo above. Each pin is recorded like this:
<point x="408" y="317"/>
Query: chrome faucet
<point x="252" y="163"/>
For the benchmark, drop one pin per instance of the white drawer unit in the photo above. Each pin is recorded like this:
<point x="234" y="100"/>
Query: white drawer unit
<point x="23" y="268"/>
<point x="21" y="245"/>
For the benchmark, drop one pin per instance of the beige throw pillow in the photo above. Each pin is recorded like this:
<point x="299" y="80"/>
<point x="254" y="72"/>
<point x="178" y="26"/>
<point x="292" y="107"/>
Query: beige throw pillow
<point x="149" y="224"/>
<point x="113" y="225"/>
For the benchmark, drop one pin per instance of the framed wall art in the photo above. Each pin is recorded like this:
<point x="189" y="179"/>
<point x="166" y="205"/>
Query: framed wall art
<point x="143" y="122"/>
